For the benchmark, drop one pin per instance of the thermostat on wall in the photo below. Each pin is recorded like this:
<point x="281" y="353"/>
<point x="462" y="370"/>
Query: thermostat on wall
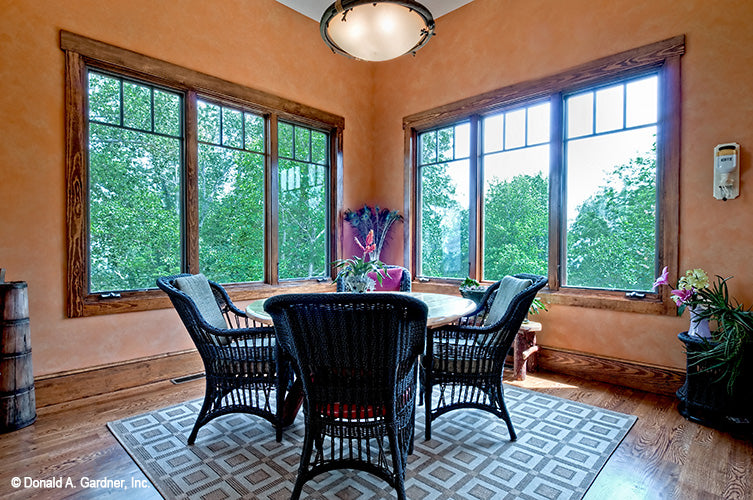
<point x="727" y="171"/>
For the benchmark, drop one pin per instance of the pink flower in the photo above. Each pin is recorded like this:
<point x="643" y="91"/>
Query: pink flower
<point x="682" y="296"/>
<point x="370" y="245"/>
<point x="663" y="279"/>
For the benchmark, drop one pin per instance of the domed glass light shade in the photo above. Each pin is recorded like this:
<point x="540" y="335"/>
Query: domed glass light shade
<point x="376" y="30"/>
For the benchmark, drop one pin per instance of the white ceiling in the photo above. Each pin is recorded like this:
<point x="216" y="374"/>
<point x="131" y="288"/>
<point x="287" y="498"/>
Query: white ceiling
<point x="315" y="8"/>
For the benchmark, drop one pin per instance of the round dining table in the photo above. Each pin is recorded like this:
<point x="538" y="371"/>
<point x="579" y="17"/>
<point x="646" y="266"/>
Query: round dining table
<point x="443" y="309"/>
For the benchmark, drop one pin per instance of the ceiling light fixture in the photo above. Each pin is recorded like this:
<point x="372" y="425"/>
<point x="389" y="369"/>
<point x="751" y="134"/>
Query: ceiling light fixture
<point x="376" y="30"/>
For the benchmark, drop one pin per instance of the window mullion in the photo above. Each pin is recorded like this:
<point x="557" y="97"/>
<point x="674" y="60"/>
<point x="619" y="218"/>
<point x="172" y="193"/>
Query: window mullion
<point x="190" y="191"/>
<point x="557" y="194"/>
<point x="476" y="177"/>
<point x="271" y="200"/>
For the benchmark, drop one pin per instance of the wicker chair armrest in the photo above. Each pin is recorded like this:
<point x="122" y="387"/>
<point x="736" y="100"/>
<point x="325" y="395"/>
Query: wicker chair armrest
<point x="240" y="333"/>
<point x="235" y="310"/>
<point x="454" y="330"/>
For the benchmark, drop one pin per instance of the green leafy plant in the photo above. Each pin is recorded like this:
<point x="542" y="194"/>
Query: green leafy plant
<point x="378" y="221"/>
<point x="733" y="322"/>
<point x="359" y="266"/>
<point x="470" y="284"/>
<point x="537" y="306"/>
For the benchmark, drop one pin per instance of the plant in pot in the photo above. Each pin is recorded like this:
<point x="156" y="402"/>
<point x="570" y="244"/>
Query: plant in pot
<point x="718" y="389"/>
<point x="472" y="289"/>
<point x="355" y="271"/>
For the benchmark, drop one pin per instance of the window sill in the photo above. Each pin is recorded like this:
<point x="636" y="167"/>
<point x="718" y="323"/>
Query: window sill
<point x="614" y="301"/>
<point x="148" y="300"/>
<point x="593" y="299"/>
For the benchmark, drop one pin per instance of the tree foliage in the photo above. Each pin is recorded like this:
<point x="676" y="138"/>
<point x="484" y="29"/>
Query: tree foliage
<point x="136" y="190"/>
<point x="516" y="226"/>
<point x="611" y="243"/>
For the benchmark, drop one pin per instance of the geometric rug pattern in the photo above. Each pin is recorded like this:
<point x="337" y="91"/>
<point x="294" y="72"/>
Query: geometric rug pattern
<point x="562" y="445"/>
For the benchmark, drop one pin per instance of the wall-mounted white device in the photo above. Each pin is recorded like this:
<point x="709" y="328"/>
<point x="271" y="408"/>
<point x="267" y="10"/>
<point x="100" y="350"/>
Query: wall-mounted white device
<point x="727" y="171"/>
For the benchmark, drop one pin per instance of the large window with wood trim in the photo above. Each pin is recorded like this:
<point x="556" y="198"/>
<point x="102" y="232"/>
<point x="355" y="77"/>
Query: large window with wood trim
<point x="572" y="177"/>
<point x="170" y="171"/>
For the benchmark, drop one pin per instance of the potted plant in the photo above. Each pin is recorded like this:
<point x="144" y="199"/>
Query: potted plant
<point x="536" y="307"/>
<point x="472" y="289"/>
<point x="718" y="389"/>
<point x="355" y="271"/>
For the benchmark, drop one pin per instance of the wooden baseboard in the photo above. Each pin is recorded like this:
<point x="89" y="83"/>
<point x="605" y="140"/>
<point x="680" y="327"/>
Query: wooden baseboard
<point x="68" y="386"/>
<point x="649" y="378"/>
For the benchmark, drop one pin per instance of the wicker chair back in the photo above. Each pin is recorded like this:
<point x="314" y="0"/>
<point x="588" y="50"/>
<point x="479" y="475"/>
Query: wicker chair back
<point x="356" y="355"/>
<point x="244" y="371"/>
<point x="465" y="361"/>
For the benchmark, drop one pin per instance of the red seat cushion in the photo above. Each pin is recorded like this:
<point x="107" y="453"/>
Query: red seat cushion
<point x="351" y="412"/>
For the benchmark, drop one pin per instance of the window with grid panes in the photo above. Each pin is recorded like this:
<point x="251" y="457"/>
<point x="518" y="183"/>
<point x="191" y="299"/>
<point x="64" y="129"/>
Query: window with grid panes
<point x="610" y="185"/>
<point x="164" y="178"/>
<point x="303" y="188"/>
<point x="443" y="179"/>
<point x="515" y="161"/>
<point x="135" y="162"/>
<point x="565" y="183"/>
<point x="231" y="153"/>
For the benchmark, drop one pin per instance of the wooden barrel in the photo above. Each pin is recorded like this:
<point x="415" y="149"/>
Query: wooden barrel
<point x="17" y="400"/>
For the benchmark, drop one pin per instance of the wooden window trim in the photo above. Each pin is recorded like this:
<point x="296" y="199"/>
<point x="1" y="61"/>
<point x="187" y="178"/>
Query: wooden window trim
<point x="664" y="57"/>
<point x="81" y="53"/>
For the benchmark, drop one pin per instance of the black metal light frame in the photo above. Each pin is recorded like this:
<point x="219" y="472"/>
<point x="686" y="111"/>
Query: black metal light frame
<point x="343" y="6"/>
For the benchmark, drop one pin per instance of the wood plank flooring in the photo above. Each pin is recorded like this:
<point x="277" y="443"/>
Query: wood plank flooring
<point x="663" y="457"/>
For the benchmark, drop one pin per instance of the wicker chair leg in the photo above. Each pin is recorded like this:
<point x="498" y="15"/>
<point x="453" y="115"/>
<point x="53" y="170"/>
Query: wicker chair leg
<point x="398" y="473"/>
<point x="280" y="405"/>
<point x="194" y="432"/>
<point x="506" y="414"/>
<point x="303" y="467"/>
<point x="412" y="436"/>
<point x="200" y="419"/>
<point x="427" y="430"/>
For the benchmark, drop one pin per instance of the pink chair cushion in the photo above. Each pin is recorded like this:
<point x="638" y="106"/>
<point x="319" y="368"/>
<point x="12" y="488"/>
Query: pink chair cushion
<point x="390" y="281"/>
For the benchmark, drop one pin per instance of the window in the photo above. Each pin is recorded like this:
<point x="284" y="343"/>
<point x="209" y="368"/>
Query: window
<point x="170" y="171"/>
<point x="231" y="150"/>
<point x="610" y="186"/>
<point x="443" y="179"/>
<point x="135" y="157"/>
<point x="515" y="161"/>
<point x="573" y="177"/>
<point x="303" y="192"/>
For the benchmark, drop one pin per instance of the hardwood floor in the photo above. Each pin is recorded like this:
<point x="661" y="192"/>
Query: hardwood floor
<point x="663" y="457"/>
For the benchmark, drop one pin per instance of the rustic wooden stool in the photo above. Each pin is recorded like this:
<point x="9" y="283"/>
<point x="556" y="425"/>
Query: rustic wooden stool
<point x="525" y="349"/>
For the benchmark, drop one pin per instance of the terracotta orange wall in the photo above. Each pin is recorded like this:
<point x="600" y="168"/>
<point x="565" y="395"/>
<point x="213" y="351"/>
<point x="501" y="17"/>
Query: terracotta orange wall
<point x="489" y="44"/>
<point x="261" y="44"/>
<point x="484" y="45"/>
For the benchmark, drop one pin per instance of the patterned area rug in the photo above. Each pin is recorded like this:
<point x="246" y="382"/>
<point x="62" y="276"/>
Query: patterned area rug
<point x="562" y="445"/>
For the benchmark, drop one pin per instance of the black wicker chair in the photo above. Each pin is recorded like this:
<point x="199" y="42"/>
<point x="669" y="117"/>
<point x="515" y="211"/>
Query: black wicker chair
<point x="394" y="283"/>
<point x="356" y="355"/>
<point x="465" y="360"/>
<point x="244" y="371"/>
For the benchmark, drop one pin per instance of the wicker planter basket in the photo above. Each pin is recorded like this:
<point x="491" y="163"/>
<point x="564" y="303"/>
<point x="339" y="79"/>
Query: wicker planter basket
<point x="705" y="399"/>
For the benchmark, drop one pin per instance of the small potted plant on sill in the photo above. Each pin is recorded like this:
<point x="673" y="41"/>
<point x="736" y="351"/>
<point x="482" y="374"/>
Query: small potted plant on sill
<point x="718" y="389"/>
<point x="472" y="289"/>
